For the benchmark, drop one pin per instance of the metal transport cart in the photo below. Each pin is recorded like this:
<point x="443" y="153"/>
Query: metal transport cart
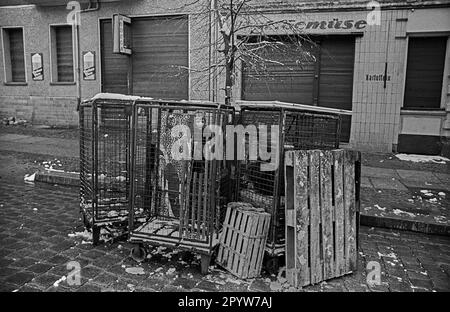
<point x="300" y="127"/>
<point x="184" y="199"/>
<point x="105" y="141"/>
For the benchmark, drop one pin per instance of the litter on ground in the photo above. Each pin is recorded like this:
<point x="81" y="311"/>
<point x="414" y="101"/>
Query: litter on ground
<point x="423" y="158"/>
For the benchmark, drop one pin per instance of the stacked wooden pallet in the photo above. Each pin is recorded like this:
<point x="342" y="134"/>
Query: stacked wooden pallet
<point x="243" y="240"/>
<point x="322" y="214"/>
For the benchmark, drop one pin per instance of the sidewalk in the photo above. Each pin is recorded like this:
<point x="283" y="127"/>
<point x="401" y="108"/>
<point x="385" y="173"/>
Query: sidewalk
<point x="406" y="199"/>
<point x="416" y="200"/>
<point x="39" y="145"/>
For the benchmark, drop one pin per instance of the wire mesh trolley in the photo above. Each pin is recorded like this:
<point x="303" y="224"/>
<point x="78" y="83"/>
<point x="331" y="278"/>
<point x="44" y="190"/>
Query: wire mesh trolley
<point x="105" y="142"/>
<point x="300" y="127"/>
<point x="182" y="181"/>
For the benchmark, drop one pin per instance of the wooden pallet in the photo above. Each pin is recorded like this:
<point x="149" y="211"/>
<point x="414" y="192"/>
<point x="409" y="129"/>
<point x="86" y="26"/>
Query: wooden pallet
<point x="322" y="214"/>
<point x="243" y="240"/>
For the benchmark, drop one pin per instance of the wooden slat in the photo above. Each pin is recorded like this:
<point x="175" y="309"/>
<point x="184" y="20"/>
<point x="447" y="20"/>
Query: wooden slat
<point x="238" y="258"/>
<point x="187" y="196"/>
<point x="234" y="238"/>
<point x="349" y="211"/>
<point x="245" y="241"/>
<point x="316" y="268"/>
<point x="229" y="238"/>
<point x="303" y="218"/>
<point x="206" y="201"/>
<point x="290" y="221"/>
<point x="224" y="234"/>
<point x="198" y="218"/>
<point x="254" y="250"/>
<point x="194" y="202"/>
<point x="183" y="194"/>
<point x="248" y="252"/>
<point x="259" y="246"/>
<point x="327" y="214"/>
<point x="339" y="211"/>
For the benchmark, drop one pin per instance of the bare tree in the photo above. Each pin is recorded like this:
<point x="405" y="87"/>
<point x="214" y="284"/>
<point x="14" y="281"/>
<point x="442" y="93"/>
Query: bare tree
<point x="238" y="33"/>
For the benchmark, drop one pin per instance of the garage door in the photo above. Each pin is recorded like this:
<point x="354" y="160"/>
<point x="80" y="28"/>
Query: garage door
<point x="159" y="61"/>
<point x="332" y="59"/>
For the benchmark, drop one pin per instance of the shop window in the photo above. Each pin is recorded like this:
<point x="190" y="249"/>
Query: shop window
<point x="424" y="72"/>
<point x="13" y="52"/>
<point x="62" y="53"/>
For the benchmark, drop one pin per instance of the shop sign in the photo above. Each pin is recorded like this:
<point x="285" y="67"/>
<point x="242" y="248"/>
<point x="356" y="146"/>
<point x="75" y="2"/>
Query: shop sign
<point x="89" y="65"/>
<point x="37" y="67"/>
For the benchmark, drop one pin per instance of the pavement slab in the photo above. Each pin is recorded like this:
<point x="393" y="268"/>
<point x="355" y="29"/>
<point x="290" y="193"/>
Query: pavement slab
<point x="409" y="261"/>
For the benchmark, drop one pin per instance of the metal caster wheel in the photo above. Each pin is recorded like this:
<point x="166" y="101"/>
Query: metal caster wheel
<point x="272" y="265"/>
<point x="138" y="253"/>
<point x="205" y="261"/>
<point x="95" y="235"/>
<point x="85" y="220"/>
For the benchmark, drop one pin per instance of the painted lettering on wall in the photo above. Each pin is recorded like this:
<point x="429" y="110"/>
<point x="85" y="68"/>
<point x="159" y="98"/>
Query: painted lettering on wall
<point x="334" y="24"/>
<point x="377" y="77"/>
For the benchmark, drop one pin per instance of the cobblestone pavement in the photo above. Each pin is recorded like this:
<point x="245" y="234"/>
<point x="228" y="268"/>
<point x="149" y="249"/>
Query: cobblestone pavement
<point x="38" y="226"/>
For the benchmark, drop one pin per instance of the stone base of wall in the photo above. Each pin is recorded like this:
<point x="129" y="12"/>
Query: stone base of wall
<point x="372" y="147"/>
<point x="54" y="111"/>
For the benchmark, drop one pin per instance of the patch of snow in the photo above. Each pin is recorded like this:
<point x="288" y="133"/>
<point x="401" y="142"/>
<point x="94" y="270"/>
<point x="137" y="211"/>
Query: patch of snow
<point x="171" y="271"/>
<point x="117" y="96"/>
<point x="423" y="158"/>
<point x="135" y="270"/>
<point x="86" y="235"/>
<point x="62" y="279"/>
<point x="380" y="208"/>
<point x="389" y="255"/>
<point x="234" y="281"/>
<point x="400" y="212"/>
<point x="275" y="286"/>
<point x="121" y="179"/>
<point x="440" y="219"/>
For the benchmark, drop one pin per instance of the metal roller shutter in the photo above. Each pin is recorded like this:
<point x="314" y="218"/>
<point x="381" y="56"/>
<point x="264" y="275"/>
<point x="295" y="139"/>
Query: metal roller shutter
<point x="160" y="57"/>
<point x="337" y="58"/>
<point x="424" y="72"/>
<point x="325" y="78"/>
<point x="284" y="78"/>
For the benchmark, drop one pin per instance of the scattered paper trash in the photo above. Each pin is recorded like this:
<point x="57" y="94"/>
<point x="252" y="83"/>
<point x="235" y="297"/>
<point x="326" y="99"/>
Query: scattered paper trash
<point x="29" y="177"/>
<point x="135" y="270"/>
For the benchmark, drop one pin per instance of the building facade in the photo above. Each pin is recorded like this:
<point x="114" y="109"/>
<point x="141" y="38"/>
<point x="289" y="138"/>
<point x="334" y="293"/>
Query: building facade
<point x="387" y="62"/>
